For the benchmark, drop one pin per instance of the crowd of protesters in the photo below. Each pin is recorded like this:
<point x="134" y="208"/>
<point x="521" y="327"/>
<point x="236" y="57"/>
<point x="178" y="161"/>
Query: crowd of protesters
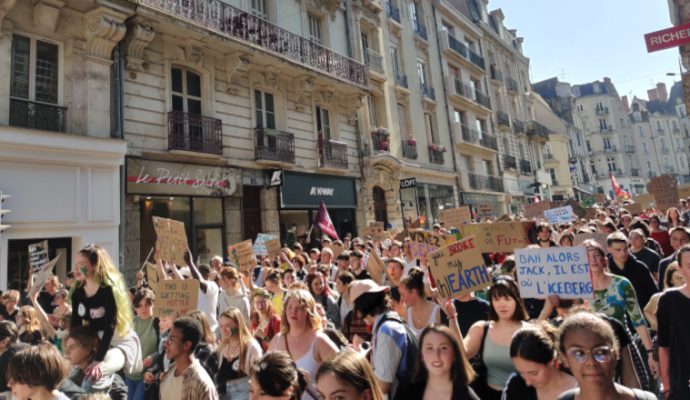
<point x="313" y="324"/>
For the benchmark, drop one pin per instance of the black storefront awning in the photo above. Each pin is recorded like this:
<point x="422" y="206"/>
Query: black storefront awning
<point x="307" y="191"/>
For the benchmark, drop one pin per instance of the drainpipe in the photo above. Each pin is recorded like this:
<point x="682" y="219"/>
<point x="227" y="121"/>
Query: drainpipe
<point x="117" y="132"/>
<point x="445" y="99"/>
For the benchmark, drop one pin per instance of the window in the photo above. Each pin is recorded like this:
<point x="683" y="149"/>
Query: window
<point x="373" y="115"/>
<point x="579" y="139"/>
<point x="593" y="166"/>
<point x="446" y="26"/>
<point x="314" y="28"/>
<point x="607" y="144"/>
<point x="602" y="124"/>
<point x="34" y="73"/>
<point x="481" y="127"/>
<point x="459" y="116"/>
<point x="663" y="143"/>
<point x="488" y="167"/>
<point x="421" y="71"/>
<point x="641" y="132"/>
<point x="416" y="15"/>
<point x="467" y="163"/>
<point x="589" y="146"/>
<point x="429" y="125"/>
<point x="552" y="172"/>
<point x="323" y="123"/>
<point x="611" y="163"/>
<point x="649" y="165"/>
<point x="186" y="91"/>
<point x="644" y="148"/>
<point x="402" y="121"/>
<point x="395" y="58"/>
<point x="365" y="41"/>
<point x="260" y="9"/>
<point x="264" y="108"/>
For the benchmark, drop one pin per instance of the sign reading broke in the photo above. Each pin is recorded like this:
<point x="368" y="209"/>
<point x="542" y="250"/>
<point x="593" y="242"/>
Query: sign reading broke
<point x="459" y="269"/>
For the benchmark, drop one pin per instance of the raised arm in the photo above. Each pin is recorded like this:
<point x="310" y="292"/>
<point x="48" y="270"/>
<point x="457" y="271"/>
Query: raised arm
<point x="203" y="284"/>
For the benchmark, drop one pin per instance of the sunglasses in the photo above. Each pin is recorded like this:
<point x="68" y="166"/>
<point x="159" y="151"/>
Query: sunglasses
<point x="602" y="354"/>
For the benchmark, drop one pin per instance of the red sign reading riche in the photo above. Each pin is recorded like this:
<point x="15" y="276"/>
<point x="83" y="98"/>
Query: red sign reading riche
<point x="667" y="38"/>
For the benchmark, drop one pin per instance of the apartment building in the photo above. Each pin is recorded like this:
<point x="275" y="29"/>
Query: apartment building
<point x="60" y="155"/>
<point x="405" y="123"/>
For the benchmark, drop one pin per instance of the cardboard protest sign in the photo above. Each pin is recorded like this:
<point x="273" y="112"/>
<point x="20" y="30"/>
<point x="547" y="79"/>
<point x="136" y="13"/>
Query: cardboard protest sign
<point x="273" y="247"/>
<point x="171" y="239"/>
<point x="366" y="231"/>
<point x="684" y="191"/>
<point x="559" y="215"/>
<point x="41" y="277"/>
<point x="242" y="255"/>
<point x="536" y="210"/>
<point x="597" y="237"/>
<point x="600" y="197"/>
<point x="260" y="244"/>
<point x="665" y="191"/>
<point x="378" y="230"/>
<point x="455" y="217"/>
<point x="635" y="208"/>
<point x="375" y="267"/>
<point x="502" y="237"/>
<point x="561" y="271"/>
<point x="38" y="255"/>
<point x="644" y="200"/>
<point x="485" y="211"/>
<point x="151" y="274"/>
<point x="424" y="242"/>
<point x="176" y="296"/>
<point x="578" y="210"/>
<point x="459" y="269"/>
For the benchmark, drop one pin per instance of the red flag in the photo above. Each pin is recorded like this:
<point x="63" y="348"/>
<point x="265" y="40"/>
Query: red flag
<point x="617" y="188"/>
<point x="323" y="220"/>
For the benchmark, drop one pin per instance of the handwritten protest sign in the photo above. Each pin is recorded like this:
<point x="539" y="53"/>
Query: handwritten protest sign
<point x="424" y="242"/>
<point x="644" y="200"/>
<point x="459" y="269"/>
<point x="38" y="255"/>
<point x="242" y="255"/>
<point x="455" y="217"/>
<point x="151" y="274"/>
<point x="600" y="197"/>
<point x="634" y="208"/>
<point x="485" y="211"/>
<point x="366" y="231"/>
<point x="273" y="247"/>
<point x="665" y="191"/>
<point x="503" y="237"/>
<point x="597" y="237"/>
<point x="561" y="271"/>
<point x="42" y="276"/>
<point x="536" y="210"/>
<point x="378" y="230"/>
<point x="684" y="191"/>
<point x="559" y="215"/>
<point x="260" y="244"/>
<point x="171" y="239"/>
<point x="176" y="296"/>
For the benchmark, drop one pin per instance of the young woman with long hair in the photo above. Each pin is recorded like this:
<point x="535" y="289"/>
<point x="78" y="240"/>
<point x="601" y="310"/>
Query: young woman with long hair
<point x="442" y="371"/>
<point x="276" y="376"/>
<point x="347" y="376"/>
<point x="234" y="293"/>
<point x="318" y="287"/>
<point x="267" y="322"/>
<point x="420" y="311"/>
<point x="673" y="218"/>
<point x="29" y="325"/>
<point x="237" y="351"/>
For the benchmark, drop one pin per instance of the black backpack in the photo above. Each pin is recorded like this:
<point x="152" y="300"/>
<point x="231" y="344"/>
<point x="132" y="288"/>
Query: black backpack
<point x="410" y="352"/>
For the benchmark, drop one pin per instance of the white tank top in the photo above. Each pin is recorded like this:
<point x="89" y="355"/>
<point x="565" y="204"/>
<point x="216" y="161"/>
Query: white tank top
<point x="410" y="320"/>
<point x="309" y="364"/>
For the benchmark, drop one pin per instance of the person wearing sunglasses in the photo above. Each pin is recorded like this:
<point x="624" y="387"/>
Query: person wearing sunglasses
<point x="589" y="348"/>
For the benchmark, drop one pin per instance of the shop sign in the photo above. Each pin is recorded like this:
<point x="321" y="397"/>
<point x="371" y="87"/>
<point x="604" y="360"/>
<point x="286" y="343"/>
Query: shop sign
<point x="167" y="178"/>
<point x="309" y="190"/>
<point x="408" y="183"/>
<point x="476" y="199"/>
<point x="276" y="178"/>
<point x="667" y="38"/>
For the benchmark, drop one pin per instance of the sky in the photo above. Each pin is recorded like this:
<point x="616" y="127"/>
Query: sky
<point x="585" y="40"/>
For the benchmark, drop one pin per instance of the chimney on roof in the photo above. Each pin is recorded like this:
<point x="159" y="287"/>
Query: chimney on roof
<point x="652" y="94"/>
<point x="626" y="105"/>
<point x="661" y="91"/>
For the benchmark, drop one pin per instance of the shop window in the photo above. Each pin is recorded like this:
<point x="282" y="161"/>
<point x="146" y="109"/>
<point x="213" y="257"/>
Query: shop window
<point x="380" y="207"/>
<point x="18" y="259"/>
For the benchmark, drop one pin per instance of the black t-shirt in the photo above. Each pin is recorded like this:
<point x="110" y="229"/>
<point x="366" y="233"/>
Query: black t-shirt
<point x="639" y="276"/>
<point x="363" y="274"/>
<point x="517" y="389"/>
<point x="45" y="299"/>
<point x="470" y="312"/>
<point x="99" y="312"/>
<point x="649" y="257"/>
<point x="674" y="333"/>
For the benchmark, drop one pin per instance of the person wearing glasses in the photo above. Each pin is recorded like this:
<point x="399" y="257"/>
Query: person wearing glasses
<point x="589" y="348"/>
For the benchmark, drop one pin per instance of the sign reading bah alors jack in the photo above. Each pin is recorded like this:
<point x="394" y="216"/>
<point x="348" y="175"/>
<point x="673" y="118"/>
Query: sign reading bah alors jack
<point x="308" y="191"/>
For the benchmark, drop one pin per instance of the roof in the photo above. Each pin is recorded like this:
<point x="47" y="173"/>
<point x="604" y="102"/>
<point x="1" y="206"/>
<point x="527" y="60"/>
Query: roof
<point x="546" y="88"/>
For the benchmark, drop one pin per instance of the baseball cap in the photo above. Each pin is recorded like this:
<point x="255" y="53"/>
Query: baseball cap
<point x="359" y="287"/>
<point x="397" y="260"/>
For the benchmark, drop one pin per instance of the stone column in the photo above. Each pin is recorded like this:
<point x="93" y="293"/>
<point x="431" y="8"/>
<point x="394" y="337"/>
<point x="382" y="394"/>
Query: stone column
<point x="233" y="219"/>
<point x="270" y="216"/>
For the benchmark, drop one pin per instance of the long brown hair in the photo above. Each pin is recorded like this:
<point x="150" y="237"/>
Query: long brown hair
<point x="461" y="372"/>
<point x="243" y="332"/>
<point x="351" y="368"/>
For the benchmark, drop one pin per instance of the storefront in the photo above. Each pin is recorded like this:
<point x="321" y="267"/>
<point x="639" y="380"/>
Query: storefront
<point x="201" y="196"/>
<point x="432" y="198"/>
<point x="482" y="205"/>
<point x="64" y="189"/>
<point x="300" y="198"/>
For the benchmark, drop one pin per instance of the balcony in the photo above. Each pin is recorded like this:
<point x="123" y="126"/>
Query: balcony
<point x="393" y="12"/>
<point x="196" y="133"/>
<point x="333" y="154"/>
<point x="525" y="167"/>
<point x="462" y="50"/>
<point x="409" y="149"/>
<point x="482" y="98"/>
<point x="605" y="129"/>
<point x="466" y="91"/>
<point x="518" y="126"/>
<point x="537" y="130"/>
<point x="485" y="182"/>
<point x="489" y="141"/>
<point x="548" y="157"/>
<point x="512" y="84"/>
<point x="665" y="151"/>
<point x="374" y="60"/>
<point x="630" y="149"/>
<point x="610" y="149"/>
<point x="554" y="182"/>
<point x="420" y="30"/>
<point x="401" y="80"/>
<point x="503" y="119"/>
<point x="428" y="91"/>
<point x="221" y="18"/>
<point x="669" y="169"/>
<point x="467" y="134"/>
<point x="496" y="74"/>
<point x="509" y="162"/>
<point x="601" y="110"/>
<point x="37" y="115"/>
<point x="273" y="146"/>
<point x="436" y="155"/>
<point x="380" y="141"/>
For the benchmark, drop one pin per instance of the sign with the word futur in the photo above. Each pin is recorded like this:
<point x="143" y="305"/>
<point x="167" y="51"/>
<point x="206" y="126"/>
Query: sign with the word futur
<point x="38" y="255"/>
<point x="171" y="239"/>
<point x="423" y="242"/>
<point x="242" y="255"/>
<point x="560" y="215"/>
<point x="501" y="237"/>
<point x="176" y="297"/>
<point x="455" y="217"/>
<point x="459" y="269"/>
<point x="561" y="271"/>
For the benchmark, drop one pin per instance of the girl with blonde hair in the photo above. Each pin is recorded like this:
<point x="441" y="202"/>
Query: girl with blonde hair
<point x="29" y="325"/>
<point x="237" y="352"/>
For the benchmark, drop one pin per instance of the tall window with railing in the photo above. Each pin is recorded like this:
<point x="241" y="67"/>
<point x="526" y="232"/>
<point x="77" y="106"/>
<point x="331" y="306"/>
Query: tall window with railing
<point x="260" y="9"/>
<point x="315" y="33"/>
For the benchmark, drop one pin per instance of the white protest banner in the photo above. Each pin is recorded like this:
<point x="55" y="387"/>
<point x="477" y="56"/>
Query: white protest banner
<point x="38" y="255"/>
<point x="260" y="244"/>
<point x="459" y="269"/>
<point x="560" y="215"/>
<point x="41" y="277"/>
<point x="423" y="242"/>
<point x="171" y="240"/>
<point x="242" y="255"/>
<point x="561" y="271"/>
<point x="176" y="296"/>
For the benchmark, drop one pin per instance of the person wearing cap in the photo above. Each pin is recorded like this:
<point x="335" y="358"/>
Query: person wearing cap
<point x="389" y="336"/>
<point x="395" y="267"/>
<point x="437" y="228"/>
<point x="356" y="265"/>
<point x="315" y="254"/>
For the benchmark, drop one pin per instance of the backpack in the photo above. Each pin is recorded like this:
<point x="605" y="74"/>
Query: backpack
<point x="404" y="375"/>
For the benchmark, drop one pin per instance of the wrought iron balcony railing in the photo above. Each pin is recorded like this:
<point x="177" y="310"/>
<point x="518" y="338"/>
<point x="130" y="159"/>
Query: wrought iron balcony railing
<point x="496" y="74"/>
<point x="535" y="129"/>
<point x="469" y="135"/>
<point x="37" y="115"/>
<point x="503" y="118"/>
<point x="548" y="156"/>
<point x="409" y="149"/>
<point x="428" y="91"/>
<point x="525" y="167"/>
<point x="222" y="18"/>
<point x="401" y="80"/>
<point x="193" y="132"/>
<point x="518" y="126"/>
<point x="512" y="84"/>
<point x="489" y="141"/>
<point x="435" y="156"/>
<point x="635" y="172"/>
<point x="601" y="110"/>
<point x="509" y="162"/>
<point x="380" y="141"/>
<point x="333" y="154"/>
<point x="465" y="51"/>
<point x="485" y="182"/>
<point x="374" y="60"/>
<point x="272" y="145"/>
<point x="420" y="30"/>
